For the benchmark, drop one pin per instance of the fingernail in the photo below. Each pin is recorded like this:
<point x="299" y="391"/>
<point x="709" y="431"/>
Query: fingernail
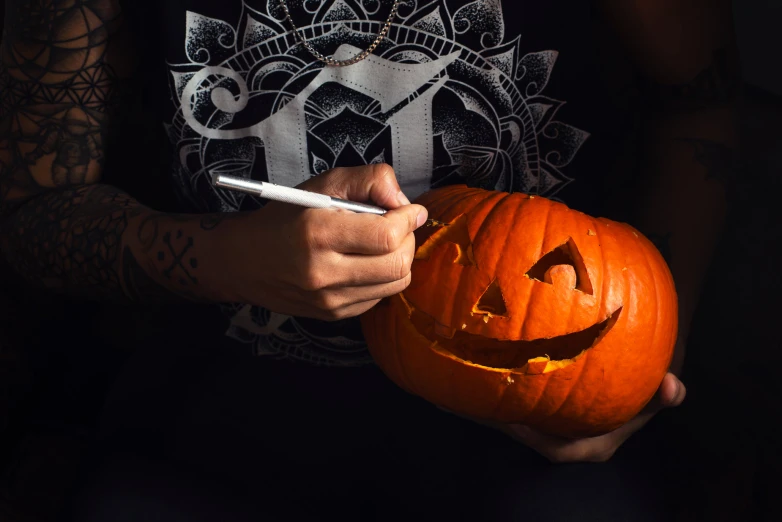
<point x="422" y="216"/>
<point x="402" y="198"/>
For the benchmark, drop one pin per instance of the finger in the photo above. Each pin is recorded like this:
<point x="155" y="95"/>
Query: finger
<point x="560" y="450"/>
<point x="347" y="312"/>
<point x="361" y="270"/>
<point x="349" y="233"/>
<point x="670" y="394"/>
<point x="672" y="391"/>
<point x="343" y="298"/>
<point x="374" y="183"/>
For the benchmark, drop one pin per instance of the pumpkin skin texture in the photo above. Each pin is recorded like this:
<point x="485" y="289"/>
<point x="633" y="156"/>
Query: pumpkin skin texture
<point x="524" y="311"/>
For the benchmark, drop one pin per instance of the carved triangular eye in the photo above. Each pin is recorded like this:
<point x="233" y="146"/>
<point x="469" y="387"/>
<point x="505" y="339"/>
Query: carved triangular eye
<point x="566" y="254"/>
<point x="455" y="232"/>
<point x="491" y="302"/>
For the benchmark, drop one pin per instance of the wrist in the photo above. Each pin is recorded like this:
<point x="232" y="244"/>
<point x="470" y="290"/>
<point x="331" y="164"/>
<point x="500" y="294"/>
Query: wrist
<point x="165" y="256"/>
<point x="224" y="262"/>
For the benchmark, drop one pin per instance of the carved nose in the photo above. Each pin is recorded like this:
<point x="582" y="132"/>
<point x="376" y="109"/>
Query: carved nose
<point x="561" y="276"/>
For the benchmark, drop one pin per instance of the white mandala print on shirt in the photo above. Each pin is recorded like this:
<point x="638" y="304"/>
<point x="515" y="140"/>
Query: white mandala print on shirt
<point x="444" y="99"/>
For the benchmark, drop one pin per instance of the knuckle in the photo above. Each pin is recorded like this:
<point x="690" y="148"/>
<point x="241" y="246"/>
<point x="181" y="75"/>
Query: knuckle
<point x="391" y="289"/>
<point x="357" y="310"/>
<point x="327" y="302"/>
<point x="316" y="236"/>
<point x="381" y="170"/>
<point x="351" y="311"/>
<point x="401" y="264"/>
<point x="324" y="182"/>
<point x="387" y="238"/>
<point x="310" y="233"/>
<point x="400" y="285"/>
<point x="409" y="249"/>
<point x="406" y="281"/>
<point x="313" y="280"/>
<point x="331" y="175"/>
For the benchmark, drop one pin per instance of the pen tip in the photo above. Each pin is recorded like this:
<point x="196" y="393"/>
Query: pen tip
<point x="214" y="177"/>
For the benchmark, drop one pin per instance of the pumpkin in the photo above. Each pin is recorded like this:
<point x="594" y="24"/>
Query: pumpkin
<point x="522" y="310"/>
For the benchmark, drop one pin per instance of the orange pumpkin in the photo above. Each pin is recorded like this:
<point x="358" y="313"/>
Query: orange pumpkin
<point x="522" y="310"/>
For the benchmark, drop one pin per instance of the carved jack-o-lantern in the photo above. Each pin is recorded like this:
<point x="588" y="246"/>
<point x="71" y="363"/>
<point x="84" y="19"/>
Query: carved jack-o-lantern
<point x="522" y="310"/>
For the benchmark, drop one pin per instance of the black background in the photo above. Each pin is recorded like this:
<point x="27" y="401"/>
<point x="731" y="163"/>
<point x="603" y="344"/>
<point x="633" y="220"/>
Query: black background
<point x="726" y="432"/>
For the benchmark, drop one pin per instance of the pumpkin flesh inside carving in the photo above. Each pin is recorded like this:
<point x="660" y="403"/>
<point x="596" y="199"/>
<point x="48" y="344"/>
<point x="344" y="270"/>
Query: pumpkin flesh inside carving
<point x="527" y="357"/>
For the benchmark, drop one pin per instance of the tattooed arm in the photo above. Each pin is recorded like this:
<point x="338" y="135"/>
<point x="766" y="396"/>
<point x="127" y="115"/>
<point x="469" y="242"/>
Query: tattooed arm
<point x="686" y="54"/>
<point x="62" y="228"/>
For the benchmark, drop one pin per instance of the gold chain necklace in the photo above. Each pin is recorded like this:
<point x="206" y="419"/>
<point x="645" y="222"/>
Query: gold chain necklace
<point x="328" y="60"/>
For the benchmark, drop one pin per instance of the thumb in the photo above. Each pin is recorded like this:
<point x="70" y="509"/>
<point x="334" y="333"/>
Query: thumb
<point x="375" y="183"/>
<point x="670" y="394"/>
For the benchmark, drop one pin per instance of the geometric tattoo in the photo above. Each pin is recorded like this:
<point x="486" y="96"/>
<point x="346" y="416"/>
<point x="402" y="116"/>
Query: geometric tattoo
<point x="59" y="226"/>
<point x="56" y="91"/>
<point x="71" y="237"/>
<point x="56" y="94"/>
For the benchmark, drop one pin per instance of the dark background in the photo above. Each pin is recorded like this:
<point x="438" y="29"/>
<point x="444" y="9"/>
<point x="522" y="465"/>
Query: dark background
<point x="723" y="440"/>
<point x="757" y="25"/>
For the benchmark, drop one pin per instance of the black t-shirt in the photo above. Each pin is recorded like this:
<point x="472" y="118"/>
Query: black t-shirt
<point x="503" y="95"/>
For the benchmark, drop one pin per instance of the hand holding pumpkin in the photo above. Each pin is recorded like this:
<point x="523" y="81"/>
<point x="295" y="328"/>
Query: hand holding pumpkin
<point x="601" y="448"/>
<point x="524" y="311"/>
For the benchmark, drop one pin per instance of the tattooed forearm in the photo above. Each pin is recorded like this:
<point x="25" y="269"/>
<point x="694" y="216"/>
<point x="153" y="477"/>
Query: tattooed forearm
<point x="97" y="242"/>
<point x="70" y="238"/>
<point x="166" y="240"/>
<point x="172" y="246"/>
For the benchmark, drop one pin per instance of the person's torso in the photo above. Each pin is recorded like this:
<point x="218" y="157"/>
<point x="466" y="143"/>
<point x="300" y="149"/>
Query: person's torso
<point x="503" y="95"/>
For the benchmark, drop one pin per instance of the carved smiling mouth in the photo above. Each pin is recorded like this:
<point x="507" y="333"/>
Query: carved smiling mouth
<point x="532" y="357"/>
